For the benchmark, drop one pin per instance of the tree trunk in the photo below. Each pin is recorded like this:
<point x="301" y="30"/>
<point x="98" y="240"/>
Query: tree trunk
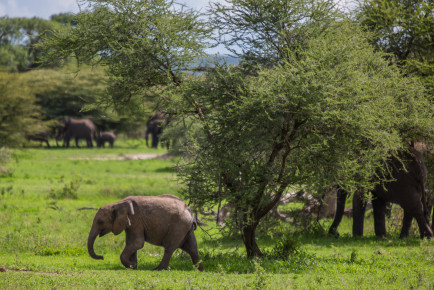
<point x="249" y="239"/>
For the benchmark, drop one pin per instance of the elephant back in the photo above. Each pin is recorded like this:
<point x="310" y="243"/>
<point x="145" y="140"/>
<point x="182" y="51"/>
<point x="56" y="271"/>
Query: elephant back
<point x="162" y="214"/>
<point x="81" y="128"/>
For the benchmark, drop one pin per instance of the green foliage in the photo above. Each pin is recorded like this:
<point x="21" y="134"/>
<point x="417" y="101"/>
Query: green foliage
<point x="64" y="18"/>
<point x="261" y="277"/>
<point x="18" y="39"/>
<point x="64" y="93"/>
<point x="263" y="32"/>
<point x="5" y="158"/>
<point x="143" y="43"/>
<point x="18" y="111"/>
<point x="66" y="250"/>
<point x="285" y="247"/>
<point x="69" y="191"/>
<point x="404" y="29"/>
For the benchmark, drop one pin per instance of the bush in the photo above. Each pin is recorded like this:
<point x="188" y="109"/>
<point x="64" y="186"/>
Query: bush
<point x="68" y="191"/>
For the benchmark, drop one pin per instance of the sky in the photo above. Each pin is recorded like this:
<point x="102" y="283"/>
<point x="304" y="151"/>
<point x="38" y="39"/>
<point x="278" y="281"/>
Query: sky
<point x="45" y="8"/>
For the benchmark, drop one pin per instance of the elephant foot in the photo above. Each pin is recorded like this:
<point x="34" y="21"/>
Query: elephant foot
<point x="130" y="266"/>
<point x="200" y="268"/>
<point x="334" y="233"/>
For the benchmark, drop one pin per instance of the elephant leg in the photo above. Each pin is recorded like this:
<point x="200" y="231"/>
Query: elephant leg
<point x="129" y="254"/>
<point x="340" y="208"/>
<point x="133" y="259"/>
<point x="380" y="208"/>
<point x="190" y="247"/>
<point x="155" y="140"/>
<point x="359" y="206"/>
<point x="432" y="223"/>
<point x="406" y="225"/>
<point x="424" y="228"/>
<point x="164" y="264"/>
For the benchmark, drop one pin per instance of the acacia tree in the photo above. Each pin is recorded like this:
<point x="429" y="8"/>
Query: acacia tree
<point x="330" y="114"/>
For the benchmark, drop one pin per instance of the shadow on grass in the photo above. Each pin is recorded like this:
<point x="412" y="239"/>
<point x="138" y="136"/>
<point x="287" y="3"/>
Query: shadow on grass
<point x="347" y="240"/>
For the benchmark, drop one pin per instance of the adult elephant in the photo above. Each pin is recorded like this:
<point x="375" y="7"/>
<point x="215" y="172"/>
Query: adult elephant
<point x="163" y="220"/>
<point x="154" y="127"/>
<point x="407" y="189"/>
<point x="77" y="129"/>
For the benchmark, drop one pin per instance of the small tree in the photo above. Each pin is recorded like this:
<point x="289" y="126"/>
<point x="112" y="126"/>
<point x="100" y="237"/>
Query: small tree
<point x="330" y="114"/>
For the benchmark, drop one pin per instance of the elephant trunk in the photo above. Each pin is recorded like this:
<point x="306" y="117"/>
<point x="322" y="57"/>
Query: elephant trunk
<point x="90" y="241"/>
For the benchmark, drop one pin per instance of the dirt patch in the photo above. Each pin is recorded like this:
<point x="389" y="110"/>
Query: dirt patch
<point x="122" y="157"/>
<point x="4" y="269"/>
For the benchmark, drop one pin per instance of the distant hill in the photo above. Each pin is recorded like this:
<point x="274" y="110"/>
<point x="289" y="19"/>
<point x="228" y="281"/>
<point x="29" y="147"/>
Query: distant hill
<point x="220" y="59"/>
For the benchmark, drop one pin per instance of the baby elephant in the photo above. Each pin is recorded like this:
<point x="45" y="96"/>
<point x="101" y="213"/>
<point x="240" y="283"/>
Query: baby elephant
<point x="163" y="220"/>
<point x="103" y="137"/>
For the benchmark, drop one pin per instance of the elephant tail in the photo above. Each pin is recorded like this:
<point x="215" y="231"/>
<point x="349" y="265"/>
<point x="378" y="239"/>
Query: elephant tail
<point x="197" y="222"/>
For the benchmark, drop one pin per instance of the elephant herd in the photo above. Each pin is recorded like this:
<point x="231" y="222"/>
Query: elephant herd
<point x="76" y="129"/>
<point x="85" y="129"/>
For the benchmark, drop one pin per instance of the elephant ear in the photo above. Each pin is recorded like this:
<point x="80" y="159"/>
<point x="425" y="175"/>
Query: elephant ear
<point x="122" y="211"/>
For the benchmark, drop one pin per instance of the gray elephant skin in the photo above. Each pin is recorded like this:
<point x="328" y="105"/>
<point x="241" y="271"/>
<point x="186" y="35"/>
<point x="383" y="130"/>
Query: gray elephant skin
<point x="163" y="220"/>
<point x="42" y="136"/>
<point x="154" y="127"/>
<point x="77" y="129"/>
<point x="407" y="189"/>
<point x="104" y="137"/>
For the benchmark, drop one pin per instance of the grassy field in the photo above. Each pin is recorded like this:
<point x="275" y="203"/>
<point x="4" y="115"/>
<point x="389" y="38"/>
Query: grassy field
<point x="44" y="228"/>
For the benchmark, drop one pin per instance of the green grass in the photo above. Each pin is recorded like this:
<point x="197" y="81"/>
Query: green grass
<point x="43" y="234"/>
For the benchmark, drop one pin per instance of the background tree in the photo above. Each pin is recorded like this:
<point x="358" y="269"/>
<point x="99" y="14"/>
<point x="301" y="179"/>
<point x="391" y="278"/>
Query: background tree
<point x="405" y="29"/>
<point x="142" y="43"/>
<point x="18" y="39"/>
<point x="18" y="112"/>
